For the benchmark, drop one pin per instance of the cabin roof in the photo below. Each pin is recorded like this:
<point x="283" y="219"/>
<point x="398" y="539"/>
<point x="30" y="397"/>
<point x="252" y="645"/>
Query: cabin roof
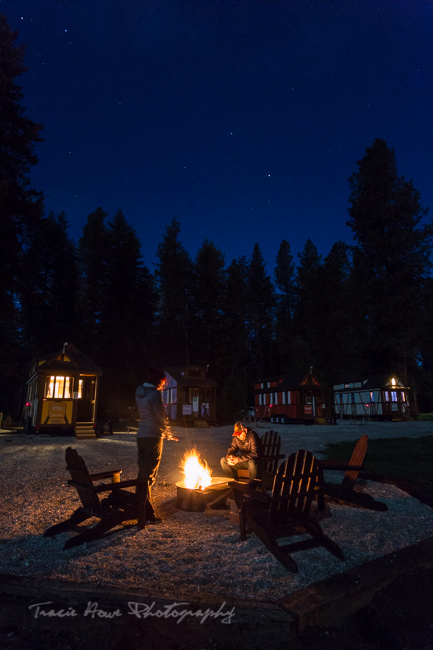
<point x="69" y="358"/>
<point x="288" y="382"/>
<point x="375" y="381"/>
<point x="178" y="374"/>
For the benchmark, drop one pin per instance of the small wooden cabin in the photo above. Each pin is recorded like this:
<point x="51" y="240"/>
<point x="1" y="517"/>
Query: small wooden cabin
<point x="382" y="398"/>
<point x="190" y="396"/>
<point x="295" y="398"/>
<point x="62" y="393"/>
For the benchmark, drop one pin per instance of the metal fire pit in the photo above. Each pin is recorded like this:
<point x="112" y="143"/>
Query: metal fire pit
<point x="194" y="499"/>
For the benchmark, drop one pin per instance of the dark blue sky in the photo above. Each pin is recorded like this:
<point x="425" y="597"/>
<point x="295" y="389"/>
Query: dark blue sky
<point x="244" y="119"/>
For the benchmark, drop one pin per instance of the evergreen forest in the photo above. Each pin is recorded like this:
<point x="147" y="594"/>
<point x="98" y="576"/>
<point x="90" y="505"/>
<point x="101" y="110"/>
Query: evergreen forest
<point x="362" y="310"/>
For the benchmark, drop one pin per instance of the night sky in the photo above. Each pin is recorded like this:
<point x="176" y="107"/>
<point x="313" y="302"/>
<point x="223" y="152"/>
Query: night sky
<point x="243" y="119"/>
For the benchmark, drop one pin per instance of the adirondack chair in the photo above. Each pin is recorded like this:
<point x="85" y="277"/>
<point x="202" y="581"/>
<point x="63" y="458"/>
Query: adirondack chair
<point x="286" y="511"/>
<point x="119" y="506"/>
<point x="268" y="464"/>
<point x="345" y="492"/>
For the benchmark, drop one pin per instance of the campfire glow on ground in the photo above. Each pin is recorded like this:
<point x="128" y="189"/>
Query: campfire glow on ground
<point x="197" y="475"/>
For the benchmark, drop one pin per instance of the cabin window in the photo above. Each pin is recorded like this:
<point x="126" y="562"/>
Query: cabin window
<point x="386" y="396"/>
<point x="268" y="385"/>
<point x="393" y="395"/>
<point x="403" y="397"/>
<point x="262" y="385"/>
<point x="371" y="396"/>
<point x="309" y="398"/>
<point x="284" y="397"/>
<point x="57" y="387"/>
<point x="275" y="398"/>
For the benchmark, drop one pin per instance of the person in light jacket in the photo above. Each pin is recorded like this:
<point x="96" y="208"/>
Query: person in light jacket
<point x="152" y="429"/>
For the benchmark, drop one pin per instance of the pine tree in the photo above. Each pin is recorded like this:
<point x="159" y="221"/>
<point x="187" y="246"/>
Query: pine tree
<point x="260" y="316"/>
<point x="127" y="328"/>
<point x="20" y="209"/>
<point x="236" y="381"/>
<point x="308" y="310"/>
<point x="207" y="289"/>
<point x="284" y="274"/>
<point x="174" y="275"/>
<point x="50" y="287"/>
<point x="93" y="255"/>
<point x="337" y="350"/>
<point x="393" y="256"/>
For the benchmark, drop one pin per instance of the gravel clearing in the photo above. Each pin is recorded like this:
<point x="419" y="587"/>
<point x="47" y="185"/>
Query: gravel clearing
<point x="188" y="553"/>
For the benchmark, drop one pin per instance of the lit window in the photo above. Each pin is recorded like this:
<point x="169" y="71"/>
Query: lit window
<point x="403" y="397"/>
<point x="49" y="387"/>
<point x="386" y="396"/>
<point x="58" y="387"/>
<point x="393" y="395"/>
<point x="80" y="388"/>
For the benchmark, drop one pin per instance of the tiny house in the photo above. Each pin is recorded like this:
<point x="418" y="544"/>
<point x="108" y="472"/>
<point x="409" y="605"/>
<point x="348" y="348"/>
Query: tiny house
<point x="382" y="398"/>
<point x="189" y="396"/>
<point x="62" y="392"/>
<point x="291" y="398"/>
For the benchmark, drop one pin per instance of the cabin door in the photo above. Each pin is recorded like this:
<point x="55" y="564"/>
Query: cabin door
<point x="86" y="399"/>
<point x="194" y="400"/>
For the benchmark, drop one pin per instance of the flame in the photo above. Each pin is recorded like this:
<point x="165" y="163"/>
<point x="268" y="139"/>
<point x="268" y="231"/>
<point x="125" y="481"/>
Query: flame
<point x="197" y="476"/>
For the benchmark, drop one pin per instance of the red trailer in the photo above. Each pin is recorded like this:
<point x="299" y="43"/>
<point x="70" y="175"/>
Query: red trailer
<point x="291" y="398"/>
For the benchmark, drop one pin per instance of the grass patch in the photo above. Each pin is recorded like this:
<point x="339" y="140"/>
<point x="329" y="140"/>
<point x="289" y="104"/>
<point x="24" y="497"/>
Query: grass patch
<point x="409" y="459"/>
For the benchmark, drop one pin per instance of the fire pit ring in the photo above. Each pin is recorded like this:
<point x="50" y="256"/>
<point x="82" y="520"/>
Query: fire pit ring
<point x="195" y="499"/>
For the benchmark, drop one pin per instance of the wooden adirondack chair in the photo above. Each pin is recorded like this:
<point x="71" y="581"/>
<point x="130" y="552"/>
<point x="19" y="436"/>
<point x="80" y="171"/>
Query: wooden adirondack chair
<point x="286" y="511"/>
<point x="268" y="465"/>
<point x="120" y="505"/>
<point x="345" y="492"/>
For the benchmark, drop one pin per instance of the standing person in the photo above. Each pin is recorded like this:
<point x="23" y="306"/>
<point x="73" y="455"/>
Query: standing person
<point x="246" y="447"/>
<point x="152" y="429"/>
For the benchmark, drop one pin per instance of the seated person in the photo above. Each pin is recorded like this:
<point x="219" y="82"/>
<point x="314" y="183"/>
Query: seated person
<point x="245" y="449"/>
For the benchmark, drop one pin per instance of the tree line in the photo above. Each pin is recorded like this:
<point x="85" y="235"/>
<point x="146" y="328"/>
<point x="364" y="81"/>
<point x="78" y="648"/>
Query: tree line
<point x="362" y="310"/>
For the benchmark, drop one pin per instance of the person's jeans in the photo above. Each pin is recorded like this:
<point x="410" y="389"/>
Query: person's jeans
<point x="149" y="458"/>
<point x="231" y="470"/>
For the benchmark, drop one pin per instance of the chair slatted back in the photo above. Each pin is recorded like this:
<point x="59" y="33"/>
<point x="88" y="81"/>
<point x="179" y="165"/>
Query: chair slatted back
<point x="295" y="488"/>
<point x="271" y="442"/>
<point x="357" y="458"/>
<point x="80" y="479"/>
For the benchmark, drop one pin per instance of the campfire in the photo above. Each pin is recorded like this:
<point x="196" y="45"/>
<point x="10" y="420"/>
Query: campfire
<point x="198" y="487"/>
<point x="197" y="476"/>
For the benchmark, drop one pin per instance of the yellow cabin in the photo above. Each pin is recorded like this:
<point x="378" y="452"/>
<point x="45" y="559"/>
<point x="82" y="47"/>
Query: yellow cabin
<point x="62" y="394"/>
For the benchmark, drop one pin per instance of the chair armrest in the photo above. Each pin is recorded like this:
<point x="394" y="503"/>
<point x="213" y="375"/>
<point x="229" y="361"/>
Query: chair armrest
<point x="272" y="457"/>
<point x="130" y="483"/>
<point x="246" y="490"/>
<point x="337" y="465"/>
<point x="109" y="474"/>
<point x="106" y="487"/>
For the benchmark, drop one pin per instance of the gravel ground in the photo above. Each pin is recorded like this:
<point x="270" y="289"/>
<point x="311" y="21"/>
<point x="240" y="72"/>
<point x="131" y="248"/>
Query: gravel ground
<point x="187" y="553"/>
